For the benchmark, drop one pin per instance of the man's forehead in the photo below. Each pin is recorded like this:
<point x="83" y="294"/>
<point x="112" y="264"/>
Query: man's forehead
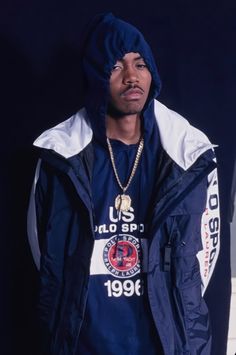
<point x="132" y="56"/>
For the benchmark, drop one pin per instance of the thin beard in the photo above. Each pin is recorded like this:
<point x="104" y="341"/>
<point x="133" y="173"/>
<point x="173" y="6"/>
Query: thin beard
<point x="115" y="113"/>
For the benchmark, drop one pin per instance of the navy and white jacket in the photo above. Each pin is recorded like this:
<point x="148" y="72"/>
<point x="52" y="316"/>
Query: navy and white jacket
<point x="183" y="226"/>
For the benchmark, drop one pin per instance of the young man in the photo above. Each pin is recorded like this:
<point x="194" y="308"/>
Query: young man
<point x="124" y="206"/>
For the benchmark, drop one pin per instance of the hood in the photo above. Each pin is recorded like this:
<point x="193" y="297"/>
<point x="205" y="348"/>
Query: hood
<point x="108" y="39"/>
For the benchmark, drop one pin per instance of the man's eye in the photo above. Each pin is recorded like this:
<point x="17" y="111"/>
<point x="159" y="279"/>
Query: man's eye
<point x="117" y="67"/>
<point x="141" y="66"/>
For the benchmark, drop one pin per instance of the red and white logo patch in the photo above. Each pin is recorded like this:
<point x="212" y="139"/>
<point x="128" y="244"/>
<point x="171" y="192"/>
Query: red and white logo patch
<point x="121" y="255"/>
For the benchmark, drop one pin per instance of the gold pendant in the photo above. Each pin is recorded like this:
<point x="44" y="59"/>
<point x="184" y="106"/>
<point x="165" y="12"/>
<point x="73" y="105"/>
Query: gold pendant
<point x="123" y="203"/>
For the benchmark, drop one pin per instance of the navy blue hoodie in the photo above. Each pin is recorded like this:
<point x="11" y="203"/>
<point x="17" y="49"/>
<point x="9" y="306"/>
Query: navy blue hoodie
<point x="108" y="40"/>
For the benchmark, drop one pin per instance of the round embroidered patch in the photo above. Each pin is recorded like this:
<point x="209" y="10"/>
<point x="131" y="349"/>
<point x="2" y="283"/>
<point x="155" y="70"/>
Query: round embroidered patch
<point x="121" y="255"/>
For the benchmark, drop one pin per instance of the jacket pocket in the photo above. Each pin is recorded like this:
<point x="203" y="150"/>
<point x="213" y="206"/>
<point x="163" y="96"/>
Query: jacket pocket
<point x="187" y="279"/>
<point x="185" y="241"/>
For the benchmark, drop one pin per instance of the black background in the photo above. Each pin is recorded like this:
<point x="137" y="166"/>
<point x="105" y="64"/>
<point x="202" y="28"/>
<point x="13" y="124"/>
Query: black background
<point x="194" y="46"/>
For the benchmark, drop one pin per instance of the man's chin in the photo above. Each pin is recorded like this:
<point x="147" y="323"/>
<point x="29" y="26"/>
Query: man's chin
<point x="127" y="111"/>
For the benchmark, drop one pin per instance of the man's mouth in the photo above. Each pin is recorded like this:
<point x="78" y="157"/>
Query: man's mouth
<point x="132" y="93"/>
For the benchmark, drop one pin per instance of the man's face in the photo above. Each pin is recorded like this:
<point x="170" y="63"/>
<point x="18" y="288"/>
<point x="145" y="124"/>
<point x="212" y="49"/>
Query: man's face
<point x="130" y="83"/>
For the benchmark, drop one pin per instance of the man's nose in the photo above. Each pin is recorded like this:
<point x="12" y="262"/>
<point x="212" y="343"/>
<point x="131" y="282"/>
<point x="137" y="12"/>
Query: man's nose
<point x="130" y="76"/>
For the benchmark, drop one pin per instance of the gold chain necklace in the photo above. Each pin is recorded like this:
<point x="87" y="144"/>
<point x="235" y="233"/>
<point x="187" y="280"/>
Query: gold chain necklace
<point x="123" y="201"/>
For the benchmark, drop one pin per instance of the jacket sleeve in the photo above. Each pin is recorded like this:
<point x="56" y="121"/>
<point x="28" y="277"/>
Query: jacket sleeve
<point x="210" y="231"/>
<point x="32" y="227"/>
<point x="47" y="241"/>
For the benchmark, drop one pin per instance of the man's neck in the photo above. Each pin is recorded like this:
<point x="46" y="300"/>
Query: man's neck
<point x="126" y="129"/>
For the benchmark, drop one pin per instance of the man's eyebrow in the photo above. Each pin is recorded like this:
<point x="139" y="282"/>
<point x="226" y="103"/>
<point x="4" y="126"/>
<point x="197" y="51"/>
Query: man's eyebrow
<point x="136" y="58"/>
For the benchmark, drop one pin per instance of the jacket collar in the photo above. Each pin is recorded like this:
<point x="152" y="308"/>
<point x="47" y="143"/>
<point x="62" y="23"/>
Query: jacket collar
<point x="181" y="141"/>
<point x="69" y="137"/>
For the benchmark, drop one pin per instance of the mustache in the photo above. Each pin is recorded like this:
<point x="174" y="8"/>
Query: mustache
<point x="131" y="88"/>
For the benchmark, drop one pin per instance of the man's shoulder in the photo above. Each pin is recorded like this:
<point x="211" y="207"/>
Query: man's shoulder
<point x="69" y="137"/>
<point x="183" y="142"/>
<point x="163" y="112"/>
